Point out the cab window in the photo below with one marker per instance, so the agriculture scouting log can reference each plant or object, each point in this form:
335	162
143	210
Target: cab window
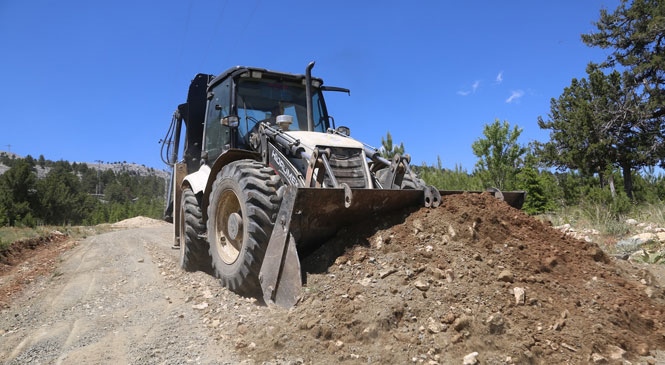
217	136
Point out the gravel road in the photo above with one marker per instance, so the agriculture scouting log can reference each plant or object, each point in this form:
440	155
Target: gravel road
115	298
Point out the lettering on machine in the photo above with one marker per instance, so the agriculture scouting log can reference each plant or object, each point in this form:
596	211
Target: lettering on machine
283	170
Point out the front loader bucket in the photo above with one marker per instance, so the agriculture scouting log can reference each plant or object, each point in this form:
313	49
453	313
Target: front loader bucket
319	213
309	216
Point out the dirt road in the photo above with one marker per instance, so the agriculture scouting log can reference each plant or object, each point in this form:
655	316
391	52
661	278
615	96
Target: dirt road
474	281
112	300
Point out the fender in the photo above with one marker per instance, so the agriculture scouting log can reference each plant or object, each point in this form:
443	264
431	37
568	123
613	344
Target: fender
197	181
224	159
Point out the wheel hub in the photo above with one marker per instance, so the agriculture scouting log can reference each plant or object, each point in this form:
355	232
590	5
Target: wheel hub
234	226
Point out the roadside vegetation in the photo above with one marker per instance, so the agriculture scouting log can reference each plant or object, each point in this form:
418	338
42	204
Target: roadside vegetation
35	193
604	160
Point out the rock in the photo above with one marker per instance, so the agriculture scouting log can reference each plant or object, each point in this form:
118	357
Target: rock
505	276
461	323
645	237
365	281
615	352
418	226
451	232
642	349
568	347
449	275
434	326
598	359
563	228
448	318
385	273
436	273
631	221
240	344
421	285
558	325
141	260
496	324
598	255
628	244
203	305
471	359
378	242
660	236
520	295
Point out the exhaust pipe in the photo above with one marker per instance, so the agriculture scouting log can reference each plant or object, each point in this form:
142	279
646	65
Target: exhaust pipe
308	93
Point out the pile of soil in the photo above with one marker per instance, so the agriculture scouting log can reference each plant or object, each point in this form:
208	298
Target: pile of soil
473	280
137	222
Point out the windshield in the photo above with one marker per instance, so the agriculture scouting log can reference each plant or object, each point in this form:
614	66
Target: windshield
263	100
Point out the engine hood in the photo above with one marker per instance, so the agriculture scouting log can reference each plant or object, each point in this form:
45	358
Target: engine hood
309	140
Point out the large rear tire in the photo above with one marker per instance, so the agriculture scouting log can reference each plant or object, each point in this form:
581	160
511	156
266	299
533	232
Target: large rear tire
193	248
244	201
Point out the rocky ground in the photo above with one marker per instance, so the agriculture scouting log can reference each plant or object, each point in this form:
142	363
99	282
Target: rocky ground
472	282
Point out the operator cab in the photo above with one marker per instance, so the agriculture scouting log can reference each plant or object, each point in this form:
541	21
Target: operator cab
263	100
241	98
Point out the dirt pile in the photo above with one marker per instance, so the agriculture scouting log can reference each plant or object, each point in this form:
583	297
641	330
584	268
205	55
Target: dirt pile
137	222
473	280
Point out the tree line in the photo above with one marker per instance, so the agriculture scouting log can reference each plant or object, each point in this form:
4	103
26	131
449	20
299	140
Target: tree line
74	193
607	130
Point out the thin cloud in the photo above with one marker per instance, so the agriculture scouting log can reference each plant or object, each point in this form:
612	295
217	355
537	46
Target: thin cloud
515	96
474	87
499	78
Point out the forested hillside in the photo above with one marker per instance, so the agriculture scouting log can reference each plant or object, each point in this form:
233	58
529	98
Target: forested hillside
40	191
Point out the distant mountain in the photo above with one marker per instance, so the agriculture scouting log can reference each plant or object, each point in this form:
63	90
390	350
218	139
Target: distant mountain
116	167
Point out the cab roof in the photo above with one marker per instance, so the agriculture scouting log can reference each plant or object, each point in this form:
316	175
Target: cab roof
238	70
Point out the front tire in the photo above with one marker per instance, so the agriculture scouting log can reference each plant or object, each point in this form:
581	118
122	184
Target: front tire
244	201
193	249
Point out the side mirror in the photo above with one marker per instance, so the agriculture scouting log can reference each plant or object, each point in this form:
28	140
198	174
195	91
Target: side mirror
344	130
230	121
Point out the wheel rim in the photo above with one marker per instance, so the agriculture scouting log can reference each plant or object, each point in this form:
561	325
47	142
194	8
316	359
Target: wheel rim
228	226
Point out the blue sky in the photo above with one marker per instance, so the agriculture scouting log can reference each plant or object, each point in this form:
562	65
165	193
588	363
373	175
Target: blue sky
99	80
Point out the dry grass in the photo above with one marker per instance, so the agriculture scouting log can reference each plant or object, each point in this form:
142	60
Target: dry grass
607	223
8	235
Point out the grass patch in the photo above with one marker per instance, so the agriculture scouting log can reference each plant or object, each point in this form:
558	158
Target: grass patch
608	223
9	235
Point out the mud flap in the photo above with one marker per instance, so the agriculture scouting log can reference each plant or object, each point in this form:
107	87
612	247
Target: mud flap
280	275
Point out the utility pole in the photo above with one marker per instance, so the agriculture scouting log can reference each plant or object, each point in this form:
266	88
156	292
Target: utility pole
9	148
